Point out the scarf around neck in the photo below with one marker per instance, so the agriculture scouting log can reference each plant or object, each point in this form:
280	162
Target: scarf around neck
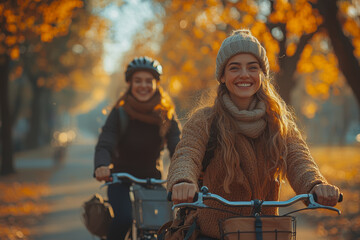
150	112
250	122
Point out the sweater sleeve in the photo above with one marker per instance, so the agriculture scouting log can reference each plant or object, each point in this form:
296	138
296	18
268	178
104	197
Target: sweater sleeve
107	140
173	136
302	171
186	162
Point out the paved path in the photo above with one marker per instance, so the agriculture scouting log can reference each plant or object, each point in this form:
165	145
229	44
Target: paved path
70	185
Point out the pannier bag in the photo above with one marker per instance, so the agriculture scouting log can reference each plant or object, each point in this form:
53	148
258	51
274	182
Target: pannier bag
150	207
258	228
183	227
97	215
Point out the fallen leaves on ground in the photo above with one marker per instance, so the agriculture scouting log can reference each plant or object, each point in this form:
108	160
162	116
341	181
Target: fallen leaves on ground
21	207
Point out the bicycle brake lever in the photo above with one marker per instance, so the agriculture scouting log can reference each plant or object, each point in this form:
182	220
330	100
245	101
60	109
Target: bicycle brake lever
114	180
314	205
198	203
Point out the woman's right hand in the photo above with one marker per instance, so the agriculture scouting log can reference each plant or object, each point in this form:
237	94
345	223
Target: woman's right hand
183	192
103	173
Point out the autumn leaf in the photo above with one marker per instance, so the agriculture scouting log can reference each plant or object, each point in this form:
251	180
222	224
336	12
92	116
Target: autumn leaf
15	53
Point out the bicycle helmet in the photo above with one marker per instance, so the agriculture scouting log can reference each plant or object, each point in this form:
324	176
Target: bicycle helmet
143	63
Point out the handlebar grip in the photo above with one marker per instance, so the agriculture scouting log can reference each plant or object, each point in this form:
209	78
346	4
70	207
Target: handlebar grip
341	197
169	196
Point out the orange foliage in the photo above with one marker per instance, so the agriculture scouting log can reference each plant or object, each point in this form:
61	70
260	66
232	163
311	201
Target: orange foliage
281	7
61	43
46	21
291	48
72	61
309	109
319	68
194	31
192	42
14	53
175	85
298	17
357	46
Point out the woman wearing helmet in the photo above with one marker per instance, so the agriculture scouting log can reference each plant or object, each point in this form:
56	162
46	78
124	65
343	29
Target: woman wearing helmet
151	124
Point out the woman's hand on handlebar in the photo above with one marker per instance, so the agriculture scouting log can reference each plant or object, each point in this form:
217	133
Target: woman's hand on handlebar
326	194
103	173
183	192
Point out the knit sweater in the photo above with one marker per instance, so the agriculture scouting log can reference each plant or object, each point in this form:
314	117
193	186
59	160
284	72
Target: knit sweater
186	164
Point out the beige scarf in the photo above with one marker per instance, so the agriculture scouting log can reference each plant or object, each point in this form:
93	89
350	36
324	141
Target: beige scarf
251	122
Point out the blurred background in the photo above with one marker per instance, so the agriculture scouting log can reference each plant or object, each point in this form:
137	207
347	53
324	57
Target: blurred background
62	68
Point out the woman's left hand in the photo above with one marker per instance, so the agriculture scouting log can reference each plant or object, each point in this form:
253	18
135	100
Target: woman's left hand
326	194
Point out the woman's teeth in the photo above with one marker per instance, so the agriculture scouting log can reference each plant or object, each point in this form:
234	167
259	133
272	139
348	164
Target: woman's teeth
244	84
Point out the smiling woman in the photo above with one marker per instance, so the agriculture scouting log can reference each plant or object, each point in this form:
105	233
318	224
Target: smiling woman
243	145
148	115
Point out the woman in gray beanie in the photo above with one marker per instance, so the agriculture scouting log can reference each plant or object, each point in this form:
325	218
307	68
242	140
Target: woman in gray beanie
246	143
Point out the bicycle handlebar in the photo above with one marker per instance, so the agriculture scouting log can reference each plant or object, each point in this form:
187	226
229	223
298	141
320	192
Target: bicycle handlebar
205	194
116	178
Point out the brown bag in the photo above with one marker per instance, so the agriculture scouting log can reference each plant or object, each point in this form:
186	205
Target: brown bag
183	227
270	227
97	215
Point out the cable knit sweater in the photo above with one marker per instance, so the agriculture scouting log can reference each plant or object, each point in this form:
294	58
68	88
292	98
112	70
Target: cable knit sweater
186	164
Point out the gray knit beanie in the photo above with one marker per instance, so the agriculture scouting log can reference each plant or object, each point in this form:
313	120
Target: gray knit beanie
240	41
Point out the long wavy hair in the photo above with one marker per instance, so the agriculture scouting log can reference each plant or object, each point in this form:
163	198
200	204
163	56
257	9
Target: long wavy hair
280	125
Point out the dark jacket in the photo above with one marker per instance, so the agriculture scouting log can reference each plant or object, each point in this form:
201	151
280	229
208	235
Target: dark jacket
137	149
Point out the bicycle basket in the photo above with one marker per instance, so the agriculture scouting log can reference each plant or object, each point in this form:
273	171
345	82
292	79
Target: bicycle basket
150	207
271	227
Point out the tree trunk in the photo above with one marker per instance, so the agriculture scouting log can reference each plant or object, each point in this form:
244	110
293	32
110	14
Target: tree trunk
342	45
18	100
41	119
47	117
288	64
7	165
285	84
33	136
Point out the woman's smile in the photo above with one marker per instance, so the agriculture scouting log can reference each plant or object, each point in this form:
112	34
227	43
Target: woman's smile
243	84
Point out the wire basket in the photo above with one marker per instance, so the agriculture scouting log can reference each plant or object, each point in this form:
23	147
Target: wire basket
251	228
